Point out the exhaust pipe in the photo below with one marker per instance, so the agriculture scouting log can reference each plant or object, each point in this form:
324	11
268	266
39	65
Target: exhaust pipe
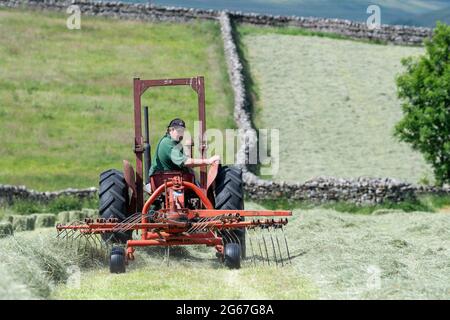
147	147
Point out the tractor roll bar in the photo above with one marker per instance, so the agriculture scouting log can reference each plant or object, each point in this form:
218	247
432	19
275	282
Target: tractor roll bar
140	86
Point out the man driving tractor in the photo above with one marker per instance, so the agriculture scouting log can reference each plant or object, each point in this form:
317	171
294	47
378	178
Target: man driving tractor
170	155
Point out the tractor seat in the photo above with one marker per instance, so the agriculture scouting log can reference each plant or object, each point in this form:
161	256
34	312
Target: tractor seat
158	178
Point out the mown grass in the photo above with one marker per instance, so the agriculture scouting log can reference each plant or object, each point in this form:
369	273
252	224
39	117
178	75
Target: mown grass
33	263
334	103
249	29
183	280
395	255
66	95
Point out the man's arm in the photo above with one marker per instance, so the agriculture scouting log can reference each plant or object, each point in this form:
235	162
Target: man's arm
190	162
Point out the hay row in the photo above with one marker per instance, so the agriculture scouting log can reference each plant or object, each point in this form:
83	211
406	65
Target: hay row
17	223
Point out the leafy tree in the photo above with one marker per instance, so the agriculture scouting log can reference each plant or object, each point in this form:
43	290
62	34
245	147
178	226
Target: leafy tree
424	88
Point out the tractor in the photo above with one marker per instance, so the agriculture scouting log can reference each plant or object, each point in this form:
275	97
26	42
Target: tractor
177	210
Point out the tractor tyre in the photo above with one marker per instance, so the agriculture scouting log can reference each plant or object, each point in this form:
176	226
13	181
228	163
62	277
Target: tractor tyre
229	194
113	201
117	262
232	255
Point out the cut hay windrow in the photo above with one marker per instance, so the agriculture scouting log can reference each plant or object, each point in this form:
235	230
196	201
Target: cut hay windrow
34	262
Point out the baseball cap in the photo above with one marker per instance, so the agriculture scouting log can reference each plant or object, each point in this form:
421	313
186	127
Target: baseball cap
177	123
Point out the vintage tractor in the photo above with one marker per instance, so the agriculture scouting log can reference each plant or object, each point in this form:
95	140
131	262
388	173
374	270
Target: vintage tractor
178	210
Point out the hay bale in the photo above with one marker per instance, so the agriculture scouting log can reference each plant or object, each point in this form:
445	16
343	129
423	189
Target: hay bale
6	229
90	213
63	217
76	215
45	220
23	223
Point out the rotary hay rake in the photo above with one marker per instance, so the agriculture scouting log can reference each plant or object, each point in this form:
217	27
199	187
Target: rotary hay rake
179	210
265	238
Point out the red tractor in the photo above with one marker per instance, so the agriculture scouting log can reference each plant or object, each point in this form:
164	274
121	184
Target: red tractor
178	210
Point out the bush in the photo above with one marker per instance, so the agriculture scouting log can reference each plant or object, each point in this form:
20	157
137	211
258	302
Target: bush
425	89
65	204
26	207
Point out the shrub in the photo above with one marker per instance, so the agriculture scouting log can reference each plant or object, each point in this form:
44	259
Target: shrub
425	89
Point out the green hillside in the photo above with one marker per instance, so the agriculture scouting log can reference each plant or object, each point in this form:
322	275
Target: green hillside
66	108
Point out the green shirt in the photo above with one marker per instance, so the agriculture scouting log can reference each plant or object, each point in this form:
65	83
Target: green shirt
169	155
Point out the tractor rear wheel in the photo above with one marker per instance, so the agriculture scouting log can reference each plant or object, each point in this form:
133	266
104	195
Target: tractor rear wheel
232	255
117	261
229	194
113	200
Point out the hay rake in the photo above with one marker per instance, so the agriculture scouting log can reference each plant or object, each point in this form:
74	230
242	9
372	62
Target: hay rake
179	209
265	238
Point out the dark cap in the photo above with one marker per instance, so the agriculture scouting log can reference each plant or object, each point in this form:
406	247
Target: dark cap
177	123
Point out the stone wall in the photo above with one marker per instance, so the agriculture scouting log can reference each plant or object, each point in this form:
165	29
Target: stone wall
319	190
403	35
10	193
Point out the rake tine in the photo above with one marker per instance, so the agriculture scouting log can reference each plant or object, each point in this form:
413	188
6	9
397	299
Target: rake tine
265	246
87	245
233	236
70	237
195	226
201	225
168	254
249	236
279	248
63	234
285	241
273	247
128	223
238	241
225	237
259	245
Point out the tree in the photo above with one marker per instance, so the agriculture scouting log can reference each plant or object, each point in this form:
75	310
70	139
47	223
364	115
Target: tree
424	88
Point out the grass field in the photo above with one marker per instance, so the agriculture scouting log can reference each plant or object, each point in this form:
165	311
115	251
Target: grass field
394	255
388	254
334	102
66	106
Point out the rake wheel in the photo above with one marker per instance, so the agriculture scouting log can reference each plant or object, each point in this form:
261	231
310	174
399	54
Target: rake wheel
117	261
232	255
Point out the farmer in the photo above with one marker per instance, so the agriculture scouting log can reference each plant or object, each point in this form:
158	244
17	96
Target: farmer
170	155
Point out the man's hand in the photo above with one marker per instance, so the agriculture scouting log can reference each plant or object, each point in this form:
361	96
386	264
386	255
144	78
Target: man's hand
214	159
